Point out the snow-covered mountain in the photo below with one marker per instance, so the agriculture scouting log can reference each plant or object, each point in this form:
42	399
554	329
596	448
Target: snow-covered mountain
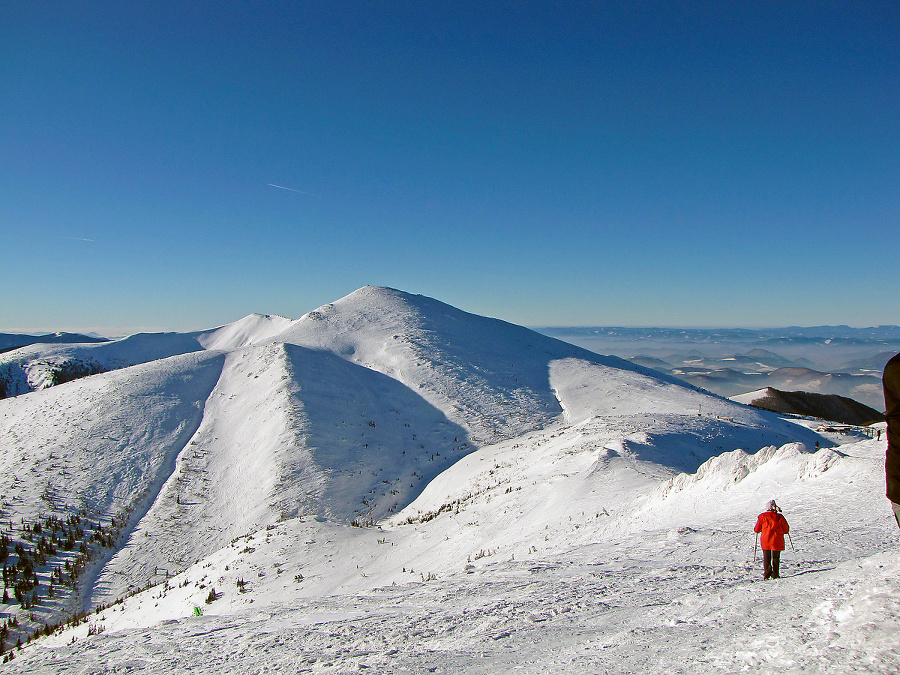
45	364
385	440
10	341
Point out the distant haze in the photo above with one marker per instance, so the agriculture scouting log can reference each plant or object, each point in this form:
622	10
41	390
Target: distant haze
730	361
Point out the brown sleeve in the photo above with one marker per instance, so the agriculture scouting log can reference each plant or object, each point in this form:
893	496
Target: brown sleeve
891	382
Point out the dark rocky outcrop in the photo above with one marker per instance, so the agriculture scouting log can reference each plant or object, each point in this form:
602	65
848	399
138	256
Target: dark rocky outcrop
825	406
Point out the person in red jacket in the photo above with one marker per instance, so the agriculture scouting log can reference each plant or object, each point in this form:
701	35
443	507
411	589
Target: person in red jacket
773	527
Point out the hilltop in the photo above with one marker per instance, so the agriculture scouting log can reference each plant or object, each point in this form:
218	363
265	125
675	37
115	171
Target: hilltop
824	406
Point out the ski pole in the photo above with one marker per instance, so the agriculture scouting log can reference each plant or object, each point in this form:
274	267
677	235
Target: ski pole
755	541
792	542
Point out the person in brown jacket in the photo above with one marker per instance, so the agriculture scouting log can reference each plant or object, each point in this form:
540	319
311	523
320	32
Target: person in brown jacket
891	383
773	526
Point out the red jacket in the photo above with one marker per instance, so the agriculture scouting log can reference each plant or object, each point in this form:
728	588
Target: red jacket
773	527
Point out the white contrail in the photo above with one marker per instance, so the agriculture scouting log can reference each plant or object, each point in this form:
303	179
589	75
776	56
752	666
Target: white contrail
80	239
282	187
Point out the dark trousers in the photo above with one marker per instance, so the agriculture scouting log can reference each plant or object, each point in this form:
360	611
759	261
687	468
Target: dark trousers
771	561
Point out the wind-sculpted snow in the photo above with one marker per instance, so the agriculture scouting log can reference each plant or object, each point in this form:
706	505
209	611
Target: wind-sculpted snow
723	471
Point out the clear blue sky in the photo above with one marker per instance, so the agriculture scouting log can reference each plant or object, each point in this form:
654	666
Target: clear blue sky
548	163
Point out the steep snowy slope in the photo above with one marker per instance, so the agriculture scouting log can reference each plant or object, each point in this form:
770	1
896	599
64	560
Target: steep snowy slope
286	432
485	374
350	414
100	442
97	449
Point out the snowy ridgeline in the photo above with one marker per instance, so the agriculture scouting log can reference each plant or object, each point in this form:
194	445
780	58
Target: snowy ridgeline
391	483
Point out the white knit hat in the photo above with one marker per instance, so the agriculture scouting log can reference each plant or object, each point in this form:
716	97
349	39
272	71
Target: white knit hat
771	506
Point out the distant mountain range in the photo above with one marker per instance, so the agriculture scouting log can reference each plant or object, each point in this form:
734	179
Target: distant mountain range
10	341
888	334
836	360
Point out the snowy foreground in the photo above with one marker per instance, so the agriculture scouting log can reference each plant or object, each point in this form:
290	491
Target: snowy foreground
391	485
682	596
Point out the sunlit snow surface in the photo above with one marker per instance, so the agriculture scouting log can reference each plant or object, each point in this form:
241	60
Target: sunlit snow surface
677	592
534	508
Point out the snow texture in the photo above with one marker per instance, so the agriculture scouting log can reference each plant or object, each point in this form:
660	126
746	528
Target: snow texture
389	484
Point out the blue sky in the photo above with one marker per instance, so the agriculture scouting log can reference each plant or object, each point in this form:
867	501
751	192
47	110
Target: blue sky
548	163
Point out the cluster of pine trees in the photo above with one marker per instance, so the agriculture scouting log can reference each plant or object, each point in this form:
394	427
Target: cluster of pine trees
69	371
65	545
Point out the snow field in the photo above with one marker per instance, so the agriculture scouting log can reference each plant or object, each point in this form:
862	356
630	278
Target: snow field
670	598
525	504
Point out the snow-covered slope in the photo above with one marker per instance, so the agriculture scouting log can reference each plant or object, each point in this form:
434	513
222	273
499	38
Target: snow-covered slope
98	443
485	374
496	379
250	330
460	444
286	432
38	366
100	448
664	582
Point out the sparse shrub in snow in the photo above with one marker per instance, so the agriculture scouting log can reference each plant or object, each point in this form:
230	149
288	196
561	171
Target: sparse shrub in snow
95	628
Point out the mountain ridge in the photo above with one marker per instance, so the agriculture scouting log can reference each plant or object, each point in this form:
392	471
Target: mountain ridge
349	415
